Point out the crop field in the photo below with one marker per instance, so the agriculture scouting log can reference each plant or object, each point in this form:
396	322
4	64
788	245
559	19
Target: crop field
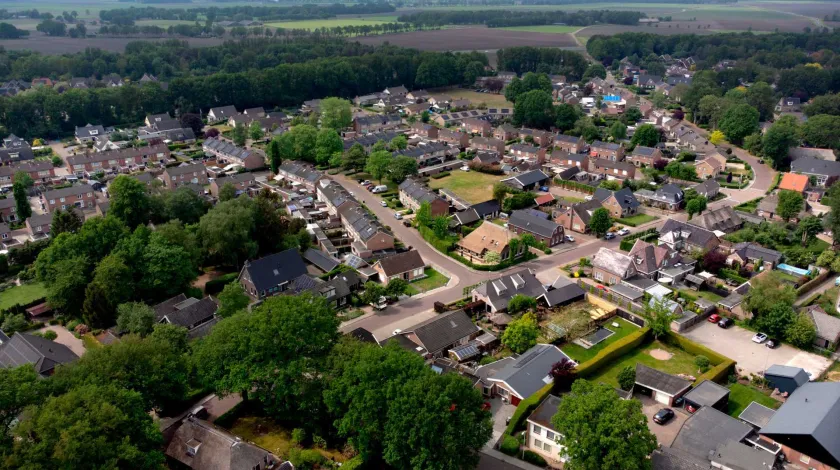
471	38
58	45
547	28
490	99
333	22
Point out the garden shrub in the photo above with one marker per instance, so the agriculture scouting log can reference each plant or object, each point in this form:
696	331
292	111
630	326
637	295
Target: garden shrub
50	335
702	362
534	458
510	445
440	175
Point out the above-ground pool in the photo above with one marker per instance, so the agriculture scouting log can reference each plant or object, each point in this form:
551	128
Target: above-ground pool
793	270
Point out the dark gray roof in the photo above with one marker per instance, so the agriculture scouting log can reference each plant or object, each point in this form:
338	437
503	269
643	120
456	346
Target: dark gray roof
466	217
43	354
224	112
444	330
531	223
486	208
3	337
809	422
216	448
275	269
69	191
740	456
526	179
189	312
320	259
185	168
90	131
563	290
500	290
228	149
756	414
530	371
815	166
670	192
605	145
788	371
17	154
660	381
707	429
754	250
668	458
545	411
363	335
707	186
566	138
707	393
732	300
417	192
624	196
642	150
724	218
401	263
696	235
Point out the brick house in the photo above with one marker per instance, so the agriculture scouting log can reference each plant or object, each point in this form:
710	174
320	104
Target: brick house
621	203
8	210
367	233
39	171
709	168
376	123
569	143
176	176
74	196
612	170
611	267
477	126
272	274
242	182
540	138
488	237
424	130
454	137
484	143
505	132
644	156
226	153
413	194
122	160
407	266
607	151
543	229
528	151
576	217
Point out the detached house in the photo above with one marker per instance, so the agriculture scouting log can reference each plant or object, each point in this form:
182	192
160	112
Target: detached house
413	194
644	156
523	376
621	203
724	219
197	316
222	113
607	151
12	155
825	171
176	176
648	259
42	354
753	254
488	237
408	266
442	332
576	217
544	230
569	143
682	236
611	267
74	196
505	132
669	197
89	133
454	137
789	104
272	274
708	189
710	167
543	438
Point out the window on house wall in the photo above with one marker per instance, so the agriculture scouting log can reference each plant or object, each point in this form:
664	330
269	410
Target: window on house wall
536	429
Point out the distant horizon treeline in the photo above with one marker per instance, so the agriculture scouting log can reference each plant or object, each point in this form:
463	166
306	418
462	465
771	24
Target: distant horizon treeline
506	18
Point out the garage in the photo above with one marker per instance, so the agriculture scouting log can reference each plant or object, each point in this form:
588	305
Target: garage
662	387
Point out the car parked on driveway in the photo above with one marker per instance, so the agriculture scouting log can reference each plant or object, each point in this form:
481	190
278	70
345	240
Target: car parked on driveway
624	231
759	338
663	416
570	238
725	322
609	236
714	318
772	343
383	203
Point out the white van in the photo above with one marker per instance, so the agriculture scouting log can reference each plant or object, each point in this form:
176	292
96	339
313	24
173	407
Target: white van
380	189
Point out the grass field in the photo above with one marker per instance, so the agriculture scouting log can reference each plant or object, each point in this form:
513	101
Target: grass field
703	294
162	23
580	354
474	187
433	280
740	397
680	363
333	22
548	28
22	294
636	220
490	99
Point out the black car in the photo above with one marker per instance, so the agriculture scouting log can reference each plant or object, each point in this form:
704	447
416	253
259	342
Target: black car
772	343
726	322
663	416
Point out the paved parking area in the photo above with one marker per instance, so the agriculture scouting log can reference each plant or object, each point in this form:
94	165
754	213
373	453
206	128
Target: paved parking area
665	433
752	358
501	412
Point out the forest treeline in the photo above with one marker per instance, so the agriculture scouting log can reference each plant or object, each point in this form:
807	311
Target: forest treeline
503	18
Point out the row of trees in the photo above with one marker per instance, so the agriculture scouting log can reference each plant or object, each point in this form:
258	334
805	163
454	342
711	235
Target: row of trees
525	59
45	112
771	301
503	18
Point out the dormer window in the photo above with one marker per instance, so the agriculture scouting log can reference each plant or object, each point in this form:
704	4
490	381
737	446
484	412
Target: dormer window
192	447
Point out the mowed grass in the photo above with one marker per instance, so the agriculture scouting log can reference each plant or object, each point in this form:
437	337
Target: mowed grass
490	99
636	220
164	23
472	186
433	280
580	354
680	362
331	23
740	397
22	294
546	28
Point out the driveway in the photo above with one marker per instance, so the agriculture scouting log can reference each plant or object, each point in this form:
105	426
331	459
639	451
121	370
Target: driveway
665	433
66	338
501	412
752	358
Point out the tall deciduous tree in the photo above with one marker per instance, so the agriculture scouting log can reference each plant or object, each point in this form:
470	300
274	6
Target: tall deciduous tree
768	291
129	200
19	387
240	134
273	354
336	113
646	135
600	430
329	143
112	285
378	163
91	426
401	167
534	108
521	334
227	192
274	158
232	300
790	204
135	317
22	208
355	158
65	221
738	122
600	221
659	316
225	232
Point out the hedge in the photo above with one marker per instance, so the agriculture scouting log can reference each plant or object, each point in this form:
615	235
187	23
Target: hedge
524	409
575	186
810	285
510	445
723	365
442	174
612	352
534	458
429	235
216	285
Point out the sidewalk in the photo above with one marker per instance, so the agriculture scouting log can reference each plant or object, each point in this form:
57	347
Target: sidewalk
508	459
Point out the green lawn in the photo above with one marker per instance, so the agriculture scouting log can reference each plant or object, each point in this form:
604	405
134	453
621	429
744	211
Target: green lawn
547	28
476	98
703	294
22	294
636	220
472	186
433	280
828	300
740	396
680	362
333	22
571	199
580	354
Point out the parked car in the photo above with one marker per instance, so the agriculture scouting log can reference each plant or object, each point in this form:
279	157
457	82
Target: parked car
759	338
587	198
772	343
663	416
397	216
609	236
624	231
544	189
570	238
407	223
714	318
726	322
380	189
383	203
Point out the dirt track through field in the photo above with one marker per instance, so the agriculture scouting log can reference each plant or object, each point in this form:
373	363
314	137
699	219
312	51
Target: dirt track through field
472	38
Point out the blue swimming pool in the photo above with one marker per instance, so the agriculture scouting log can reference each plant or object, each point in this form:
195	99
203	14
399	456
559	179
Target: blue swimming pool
793	270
